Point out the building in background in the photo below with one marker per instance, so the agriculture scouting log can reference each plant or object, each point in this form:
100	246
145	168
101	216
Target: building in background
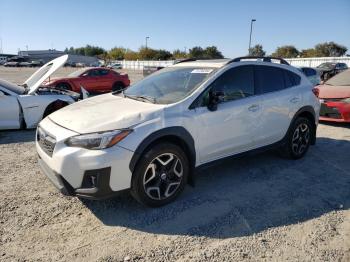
47	55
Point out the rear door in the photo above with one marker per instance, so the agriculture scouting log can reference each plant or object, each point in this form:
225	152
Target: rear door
9	111
281	99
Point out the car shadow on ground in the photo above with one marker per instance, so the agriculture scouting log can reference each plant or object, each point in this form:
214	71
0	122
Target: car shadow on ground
17	136
245	196
335	124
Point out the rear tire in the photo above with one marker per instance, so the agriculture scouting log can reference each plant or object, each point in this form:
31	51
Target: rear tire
298	139
160	175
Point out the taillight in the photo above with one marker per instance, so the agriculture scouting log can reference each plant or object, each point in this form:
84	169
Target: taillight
316	91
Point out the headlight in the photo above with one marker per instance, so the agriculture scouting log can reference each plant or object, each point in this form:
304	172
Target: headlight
98	140
346	100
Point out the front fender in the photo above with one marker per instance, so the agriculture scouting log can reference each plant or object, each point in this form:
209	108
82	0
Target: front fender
33	106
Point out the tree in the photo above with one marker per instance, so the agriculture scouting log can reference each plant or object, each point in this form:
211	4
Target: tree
196	52
287	51
330	49
326	49
162	54
257	50
131	55
117	53
310	52
178	54
212	52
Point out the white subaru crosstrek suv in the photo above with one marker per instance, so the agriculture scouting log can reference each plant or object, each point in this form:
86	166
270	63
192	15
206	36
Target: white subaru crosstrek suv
150	138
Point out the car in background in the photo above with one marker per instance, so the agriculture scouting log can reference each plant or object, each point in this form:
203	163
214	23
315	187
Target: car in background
24	64
36	63
334	95
115	66
11	64
312	74
94	80
329	69
148	70
23	106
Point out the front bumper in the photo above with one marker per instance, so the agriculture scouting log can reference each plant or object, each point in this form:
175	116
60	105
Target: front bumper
94	174
99	190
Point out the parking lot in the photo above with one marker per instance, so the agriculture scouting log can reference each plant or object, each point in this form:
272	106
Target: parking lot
257	208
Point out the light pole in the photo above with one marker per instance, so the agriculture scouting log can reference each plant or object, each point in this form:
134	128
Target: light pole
147	37
250	36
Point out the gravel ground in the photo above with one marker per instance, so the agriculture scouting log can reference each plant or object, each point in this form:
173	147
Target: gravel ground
260	208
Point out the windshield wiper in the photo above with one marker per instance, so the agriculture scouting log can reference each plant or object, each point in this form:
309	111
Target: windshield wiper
142	98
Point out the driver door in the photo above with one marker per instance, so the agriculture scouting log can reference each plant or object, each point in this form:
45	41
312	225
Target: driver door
9	111
233	126
89	80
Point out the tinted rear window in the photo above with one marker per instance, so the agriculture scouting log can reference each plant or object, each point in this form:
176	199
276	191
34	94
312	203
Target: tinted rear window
269	79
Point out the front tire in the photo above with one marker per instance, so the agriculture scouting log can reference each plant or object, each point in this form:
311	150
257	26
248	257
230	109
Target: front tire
160	175
118	86
298	139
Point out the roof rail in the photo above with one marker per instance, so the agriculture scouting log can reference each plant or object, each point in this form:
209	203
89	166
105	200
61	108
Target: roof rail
264	59
184	60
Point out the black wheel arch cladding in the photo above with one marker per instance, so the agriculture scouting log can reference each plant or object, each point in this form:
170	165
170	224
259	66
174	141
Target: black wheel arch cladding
309	113
168	134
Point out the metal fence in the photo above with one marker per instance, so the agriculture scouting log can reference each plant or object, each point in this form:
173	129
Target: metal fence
138	65
310	62
315	61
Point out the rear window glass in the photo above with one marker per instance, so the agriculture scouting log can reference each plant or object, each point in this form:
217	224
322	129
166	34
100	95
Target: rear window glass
269	79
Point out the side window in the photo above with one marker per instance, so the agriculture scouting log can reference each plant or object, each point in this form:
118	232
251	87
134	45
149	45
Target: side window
236	83
93	73
103	72
292	79
269	79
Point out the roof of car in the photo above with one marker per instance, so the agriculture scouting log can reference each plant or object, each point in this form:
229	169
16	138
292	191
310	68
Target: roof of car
217	63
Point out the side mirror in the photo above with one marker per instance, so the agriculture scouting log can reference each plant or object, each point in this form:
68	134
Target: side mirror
215	97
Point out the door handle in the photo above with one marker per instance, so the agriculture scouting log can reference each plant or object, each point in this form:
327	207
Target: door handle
294	100
253	108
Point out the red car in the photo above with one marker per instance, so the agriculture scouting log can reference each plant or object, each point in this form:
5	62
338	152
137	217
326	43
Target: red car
334	96
94	80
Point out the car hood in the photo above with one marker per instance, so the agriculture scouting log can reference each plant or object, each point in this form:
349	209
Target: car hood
36	79
105	112
328	91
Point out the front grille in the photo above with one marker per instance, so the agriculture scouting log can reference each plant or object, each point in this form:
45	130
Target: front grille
46	141
331	112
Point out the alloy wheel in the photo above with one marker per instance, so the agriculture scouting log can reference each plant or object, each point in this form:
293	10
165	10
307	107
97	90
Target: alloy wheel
163	176
300	140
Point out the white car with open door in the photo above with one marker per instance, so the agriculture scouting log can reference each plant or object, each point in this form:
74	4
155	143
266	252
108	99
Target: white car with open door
23	106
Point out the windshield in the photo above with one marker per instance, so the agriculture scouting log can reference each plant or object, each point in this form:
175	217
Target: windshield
169	85
77	73
326	66
341	79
